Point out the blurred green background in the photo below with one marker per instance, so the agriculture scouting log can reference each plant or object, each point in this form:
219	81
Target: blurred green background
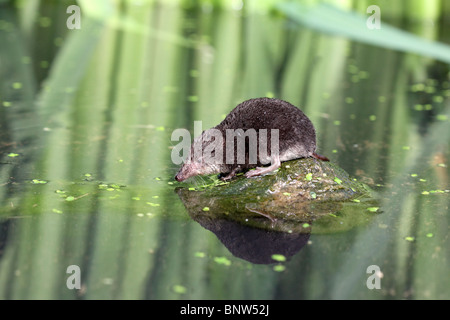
86	117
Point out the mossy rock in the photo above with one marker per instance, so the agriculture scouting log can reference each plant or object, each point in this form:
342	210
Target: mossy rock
302	193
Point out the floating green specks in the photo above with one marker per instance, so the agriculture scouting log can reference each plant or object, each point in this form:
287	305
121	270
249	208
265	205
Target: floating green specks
136	198
425	192
351	68
278	257
88	175
441	117
418	87
57	211
109	187
270	94
199	254
337	123
349	100
179	289
192	98
313	195
306	225
191	189
17	85
286	194
437	191
429	235
337	180
356	200
438	99
70	198
414	175
38	181
410	239
373	209
418	107
406	148
7	104
160	128
153	204
308	176
372	117
13	155
222	260
205	209
279	268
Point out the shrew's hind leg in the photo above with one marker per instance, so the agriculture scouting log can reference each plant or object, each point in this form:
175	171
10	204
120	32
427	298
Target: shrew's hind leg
231	174
320	157
276	163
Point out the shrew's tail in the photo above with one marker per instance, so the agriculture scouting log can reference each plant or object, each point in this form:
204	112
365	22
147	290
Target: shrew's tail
318	156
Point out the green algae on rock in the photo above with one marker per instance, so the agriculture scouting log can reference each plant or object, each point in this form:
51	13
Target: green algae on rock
301	193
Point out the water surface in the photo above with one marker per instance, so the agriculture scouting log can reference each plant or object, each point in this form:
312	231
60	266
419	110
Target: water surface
86	176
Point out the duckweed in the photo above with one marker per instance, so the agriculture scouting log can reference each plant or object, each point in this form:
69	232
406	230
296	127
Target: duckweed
279	268
222	260
38	181
278	257
179	289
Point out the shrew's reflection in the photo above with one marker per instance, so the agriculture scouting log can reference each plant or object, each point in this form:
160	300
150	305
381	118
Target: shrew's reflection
247	241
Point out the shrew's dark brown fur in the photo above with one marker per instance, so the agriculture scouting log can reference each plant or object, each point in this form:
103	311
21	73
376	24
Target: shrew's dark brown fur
296	138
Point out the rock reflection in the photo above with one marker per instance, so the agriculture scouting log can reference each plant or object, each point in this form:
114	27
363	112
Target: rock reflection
256	231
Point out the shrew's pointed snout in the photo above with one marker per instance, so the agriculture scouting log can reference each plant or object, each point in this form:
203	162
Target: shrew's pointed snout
179	178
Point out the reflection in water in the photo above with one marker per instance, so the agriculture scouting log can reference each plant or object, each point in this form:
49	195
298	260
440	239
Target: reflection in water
253	244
